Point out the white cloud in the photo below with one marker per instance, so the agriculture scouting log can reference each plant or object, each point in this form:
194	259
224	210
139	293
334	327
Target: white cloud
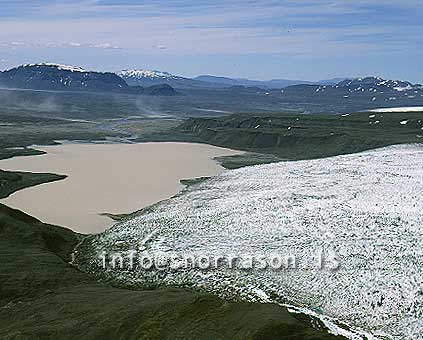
232	27
16	44
160	47
105	46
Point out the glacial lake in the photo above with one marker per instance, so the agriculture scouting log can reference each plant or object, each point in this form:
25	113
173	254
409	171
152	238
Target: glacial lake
108	178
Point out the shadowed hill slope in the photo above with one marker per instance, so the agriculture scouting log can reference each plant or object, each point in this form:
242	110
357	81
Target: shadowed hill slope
43	297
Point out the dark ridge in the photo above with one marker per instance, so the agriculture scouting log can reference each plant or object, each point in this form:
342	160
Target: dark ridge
52	77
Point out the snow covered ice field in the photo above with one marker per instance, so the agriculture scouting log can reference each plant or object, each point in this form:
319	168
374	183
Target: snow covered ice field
366	208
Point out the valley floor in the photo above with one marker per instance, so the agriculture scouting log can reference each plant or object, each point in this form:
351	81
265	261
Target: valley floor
43	297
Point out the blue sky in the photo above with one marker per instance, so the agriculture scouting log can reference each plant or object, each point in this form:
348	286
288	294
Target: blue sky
295	39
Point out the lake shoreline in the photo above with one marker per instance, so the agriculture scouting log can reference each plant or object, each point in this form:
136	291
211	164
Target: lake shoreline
132	176
300	325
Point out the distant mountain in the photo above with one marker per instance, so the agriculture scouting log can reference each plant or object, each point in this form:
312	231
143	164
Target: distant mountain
346	94
159	90
154	77
147	75
265	84
349	95
281	83
218	80
58	77
377	84
148	78
332	81
368	86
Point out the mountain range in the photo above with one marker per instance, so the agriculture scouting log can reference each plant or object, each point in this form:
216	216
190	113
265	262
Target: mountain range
154	77
369	86
365	84
56	77
274	83
339	92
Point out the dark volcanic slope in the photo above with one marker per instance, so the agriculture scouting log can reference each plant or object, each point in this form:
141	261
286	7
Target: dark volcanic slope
56	77
43	297
67	78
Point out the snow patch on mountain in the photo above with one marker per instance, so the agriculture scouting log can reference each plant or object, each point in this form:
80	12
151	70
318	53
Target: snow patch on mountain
149	74
375	84
403	88
58	66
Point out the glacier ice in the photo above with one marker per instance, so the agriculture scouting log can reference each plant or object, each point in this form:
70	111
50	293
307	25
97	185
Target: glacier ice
365	207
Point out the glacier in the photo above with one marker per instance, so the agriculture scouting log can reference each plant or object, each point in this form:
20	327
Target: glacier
367	208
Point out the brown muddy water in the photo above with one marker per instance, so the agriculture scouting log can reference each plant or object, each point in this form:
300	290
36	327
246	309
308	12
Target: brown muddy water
108	178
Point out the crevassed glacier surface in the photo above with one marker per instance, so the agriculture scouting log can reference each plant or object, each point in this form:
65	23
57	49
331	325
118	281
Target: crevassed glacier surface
366	208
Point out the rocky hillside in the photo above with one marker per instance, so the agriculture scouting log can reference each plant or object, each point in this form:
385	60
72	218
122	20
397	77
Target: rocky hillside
290	136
